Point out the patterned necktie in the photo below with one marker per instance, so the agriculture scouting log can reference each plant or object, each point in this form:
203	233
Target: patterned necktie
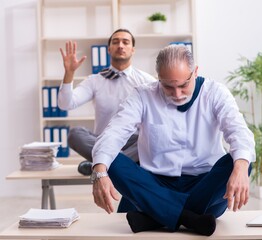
109	74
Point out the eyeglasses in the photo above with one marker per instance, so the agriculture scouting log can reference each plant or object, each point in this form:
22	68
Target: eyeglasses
184	85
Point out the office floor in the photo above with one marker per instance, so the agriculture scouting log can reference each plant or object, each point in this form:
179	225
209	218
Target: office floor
12	207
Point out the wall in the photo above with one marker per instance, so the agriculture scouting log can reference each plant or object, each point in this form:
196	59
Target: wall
19	122
226	29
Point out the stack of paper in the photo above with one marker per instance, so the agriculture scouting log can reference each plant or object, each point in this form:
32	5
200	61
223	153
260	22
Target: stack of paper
39	156
44	218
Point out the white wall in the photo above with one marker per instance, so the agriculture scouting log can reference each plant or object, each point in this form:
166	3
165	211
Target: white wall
19	121
225	30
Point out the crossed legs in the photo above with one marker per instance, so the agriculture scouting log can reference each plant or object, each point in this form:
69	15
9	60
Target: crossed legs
172	201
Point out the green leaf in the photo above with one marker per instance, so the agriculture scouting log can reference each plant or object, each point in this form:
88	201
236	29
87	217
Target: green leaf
242	79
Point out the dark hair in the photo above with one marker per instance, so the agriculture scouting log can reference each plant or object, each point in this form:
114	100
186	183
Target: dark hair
122	30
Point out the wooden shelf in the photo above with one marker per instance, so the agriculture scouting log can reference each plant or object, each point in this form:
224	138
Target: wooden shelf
91	22
90	118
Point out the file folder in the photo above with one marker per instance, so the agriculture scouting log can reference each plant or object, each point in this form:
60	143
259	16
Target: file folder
48	134
187	44
100	58
61	113
54	101
95	59
46	102
57	138
64	130
104	58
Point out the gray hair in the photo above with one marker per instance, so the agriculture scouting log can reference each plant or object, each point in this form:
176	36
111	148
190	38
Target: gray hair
171	55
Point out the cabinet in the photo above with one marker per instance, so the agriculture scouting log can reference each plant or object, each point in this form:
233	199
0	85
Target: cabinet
91	22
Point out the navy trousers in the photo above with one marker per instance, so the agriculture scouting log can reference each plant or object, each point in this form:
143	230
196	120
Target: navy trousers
163	198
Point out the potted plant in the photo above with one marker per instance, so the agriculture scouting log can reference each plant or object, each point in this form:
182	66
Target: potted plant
158	19
247	84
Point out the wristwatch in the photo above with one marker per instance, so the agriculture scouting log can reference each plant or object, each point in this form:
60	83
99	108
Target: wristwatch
96	175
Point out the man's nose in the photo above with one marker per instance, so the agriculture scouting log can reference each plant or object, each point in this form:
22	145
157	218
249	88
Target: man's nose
176	93
121	44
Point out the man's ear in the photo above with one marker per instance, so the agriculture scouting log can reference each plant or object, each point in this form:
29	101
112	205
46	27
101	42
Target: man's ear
133	50
196	70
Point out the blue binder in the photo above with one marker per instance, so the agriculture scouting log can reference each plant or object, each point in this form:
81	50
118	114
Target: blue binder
48	134
46	101
57	138
61	113
100	58
54	102
64	152
104	57
187	44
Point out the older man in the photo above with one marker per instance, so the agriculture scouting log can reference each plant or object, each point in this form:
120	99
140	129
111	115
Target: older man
185	175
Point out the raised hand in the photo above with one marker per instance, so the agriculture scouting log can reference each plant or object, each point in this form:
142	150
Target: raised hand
71	63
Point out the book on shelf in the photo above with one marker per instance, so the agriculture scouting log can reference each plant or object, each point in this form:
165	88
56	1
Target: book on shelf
45	218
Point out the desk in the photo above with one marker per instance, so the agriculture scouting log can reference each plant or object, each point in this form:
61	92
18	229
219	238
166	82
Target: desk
63	175
97	226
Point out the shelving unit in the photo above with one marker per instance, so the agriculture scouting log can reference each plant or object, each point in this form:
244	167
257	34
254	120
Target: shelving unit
91	22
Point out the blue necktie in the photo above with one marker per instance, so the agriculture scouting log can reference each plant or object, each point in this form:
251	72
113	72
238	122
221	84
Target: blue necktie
109	74
185	107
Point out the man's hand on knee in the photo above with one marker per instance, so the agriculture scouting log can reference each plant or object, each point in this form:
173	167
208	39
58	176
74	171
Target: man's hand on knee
237	192
103	192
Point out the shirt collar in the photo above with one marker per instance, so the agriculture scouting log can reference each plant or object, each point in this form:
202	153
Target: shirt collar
126	71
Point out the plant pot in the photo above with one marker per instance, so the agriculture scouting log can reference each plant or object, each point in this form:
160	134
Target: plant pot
158	26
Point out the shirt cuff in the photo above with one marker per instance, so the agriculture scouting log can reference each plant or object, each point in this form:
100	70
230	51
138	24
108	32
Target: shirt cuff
242	154
66	87
103	159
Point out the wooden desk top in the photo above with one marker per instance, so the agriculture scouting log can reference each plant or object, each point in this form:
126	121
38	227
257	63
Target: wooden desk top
62	172
97	226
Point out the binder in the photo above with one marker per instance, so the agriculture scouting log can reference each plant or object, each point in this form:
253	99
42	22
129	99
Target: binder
46	102
187	44
104	58
64	130
100	58
48	134
61	113
95	59
58	134
57	138
54	101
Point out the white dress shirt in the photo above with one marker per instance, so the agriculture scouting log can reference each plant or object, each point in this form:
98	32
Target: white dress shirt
172	143
107	94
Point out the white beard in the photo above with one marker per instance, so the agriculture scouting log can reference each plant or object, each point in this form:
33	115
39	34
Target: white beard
176	103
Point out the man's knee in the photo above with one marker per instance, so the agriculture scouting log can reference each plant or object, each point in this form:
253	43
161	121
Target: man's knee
224	165
121	167
76	135
73	136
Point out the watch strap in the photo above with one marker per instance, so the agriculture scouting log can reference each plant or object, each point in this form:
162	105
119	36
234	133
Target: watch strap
97	175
